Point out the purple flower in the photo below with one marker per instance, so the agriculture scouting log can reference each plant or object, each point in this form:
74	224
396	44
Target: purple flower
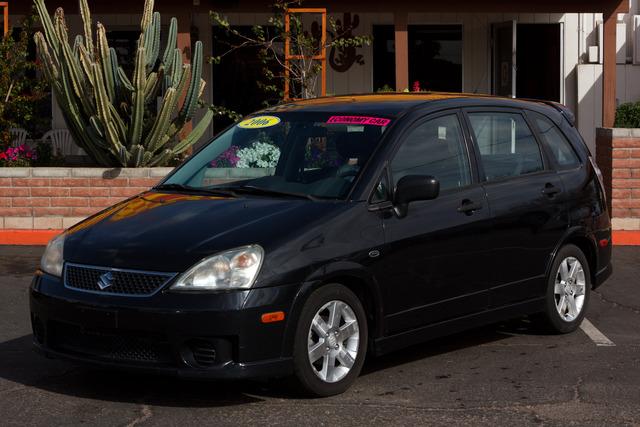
227	159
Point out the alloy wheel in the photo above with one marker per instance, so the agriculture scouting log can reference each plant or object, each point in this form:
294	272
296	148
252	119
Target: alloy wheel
333	341
569	290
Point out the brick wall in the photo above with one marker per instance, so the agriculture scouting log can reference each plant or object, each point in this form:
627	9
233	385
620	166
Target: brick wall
57	198
618	156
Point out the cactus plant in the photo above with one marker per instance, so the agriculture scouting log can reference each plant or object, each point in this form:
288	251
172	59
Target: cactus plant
116	119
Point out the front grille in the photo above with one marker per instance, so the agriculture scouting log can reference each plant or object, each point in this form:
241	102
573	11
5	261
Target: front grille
114	281
108	345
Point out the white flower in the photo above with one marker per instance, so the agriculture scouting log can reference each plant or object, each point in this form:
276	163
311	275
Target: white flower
259	155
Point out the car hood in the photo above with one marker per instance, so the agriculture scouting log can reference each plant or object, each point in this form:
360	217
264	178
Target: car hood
159	231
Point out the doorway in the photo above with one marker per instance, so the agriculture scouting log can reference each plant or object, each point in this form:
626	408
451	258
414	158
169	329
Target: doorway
539	61
527	60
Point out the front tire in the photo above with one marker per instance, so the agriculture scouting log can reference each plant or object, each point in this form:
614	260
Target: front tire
568	290
330	341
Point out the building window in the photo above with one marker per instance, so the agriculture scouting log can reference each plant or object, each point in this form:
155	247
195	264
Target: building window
435	57
239	78
384	58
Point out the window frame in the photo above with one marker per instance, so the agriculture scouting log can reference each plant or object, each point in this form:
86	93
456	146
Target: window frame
388	202
418	121
544	156
552	159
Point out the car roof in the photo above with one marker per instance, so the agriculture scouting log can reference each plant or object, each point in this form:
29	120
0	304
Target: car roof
395	103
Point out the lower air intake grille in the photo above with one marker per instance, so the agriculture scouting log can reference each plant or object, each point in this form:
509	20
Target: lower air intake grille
107	345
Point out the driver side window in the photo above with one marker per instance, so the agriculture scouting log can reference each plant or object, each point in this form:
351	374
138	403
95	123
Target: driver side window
436	148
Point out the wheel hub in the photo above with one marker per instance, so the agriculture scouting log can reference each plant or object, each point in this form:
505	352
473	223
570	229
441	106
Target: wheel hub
331	341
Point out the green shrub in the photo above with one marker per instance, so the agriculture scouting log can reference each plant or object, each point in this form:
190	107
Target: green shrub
23	96
628	115
45	155
385	88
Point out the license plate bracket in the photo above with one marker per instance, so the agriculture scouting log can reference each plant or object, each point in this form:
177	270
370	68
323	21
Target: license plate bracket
97	318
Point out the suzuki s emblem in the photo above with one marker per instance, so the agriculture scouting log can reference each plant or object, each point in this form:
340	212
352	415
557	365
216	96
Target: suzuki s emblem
105	280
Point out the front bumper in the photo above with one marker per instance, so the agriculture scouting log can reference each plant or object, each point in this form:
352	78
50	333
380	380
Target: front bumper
205	335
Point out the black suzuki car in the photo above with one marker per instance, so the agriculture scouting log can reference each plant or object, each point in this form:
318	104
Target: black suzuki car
316	232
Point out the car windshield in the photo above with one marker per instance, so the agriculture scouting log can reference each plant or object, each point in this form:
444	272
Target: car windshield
315	155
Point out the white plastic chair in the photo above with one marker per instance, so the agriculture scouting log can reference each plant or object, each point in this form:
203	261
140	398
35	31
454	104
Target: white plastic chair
62	143
18	136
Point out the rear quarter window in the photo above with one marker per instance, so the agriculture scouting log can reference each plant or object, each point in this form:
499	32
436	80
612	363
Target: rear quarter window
557	143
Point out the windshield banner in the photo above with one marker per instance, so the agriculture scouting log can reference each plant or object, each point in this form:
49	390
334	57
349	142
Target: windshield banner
358	120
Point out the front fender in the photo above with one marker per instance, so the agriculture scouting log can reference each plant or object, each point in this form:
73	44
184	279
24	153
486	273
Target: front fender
348	273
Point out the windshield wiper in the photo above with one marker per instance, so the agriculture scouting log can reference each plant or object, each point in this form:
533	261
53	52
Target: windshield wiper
250	189
190	189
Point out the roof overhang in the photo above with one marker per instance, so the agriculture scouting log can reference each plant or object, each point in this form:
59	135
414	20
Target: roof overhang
417	6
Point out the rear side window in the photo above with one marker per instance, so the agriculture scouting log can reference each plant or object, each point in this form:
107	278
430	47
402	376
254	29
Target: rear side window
436	148
557	143
506	144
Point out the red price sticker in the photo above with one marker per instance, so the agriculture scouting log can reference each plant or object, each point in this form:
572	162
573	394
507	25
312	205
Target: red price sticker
358	120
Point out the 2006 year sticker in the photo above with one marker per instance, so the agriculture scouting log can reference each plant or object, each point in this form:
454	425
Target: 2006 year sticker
259	122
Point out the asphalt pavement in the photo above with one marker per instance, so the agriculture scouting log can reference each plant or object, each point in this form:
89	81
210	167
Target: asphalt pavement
504	374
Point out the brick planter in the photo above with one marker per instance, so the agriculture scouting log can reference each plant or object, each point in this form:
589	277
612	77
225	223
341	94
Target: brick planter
57	198
618	156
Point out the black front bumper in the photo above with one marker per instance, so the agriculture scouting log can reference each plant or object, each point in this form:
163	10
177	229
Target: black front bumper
205	335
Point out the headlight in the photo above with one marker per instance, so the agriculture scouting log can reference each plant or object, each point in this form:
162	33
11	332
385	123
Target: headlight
233	269
52	261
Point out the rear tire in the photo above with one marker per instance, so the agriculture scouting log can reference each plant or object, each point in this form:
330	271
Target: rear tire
330	341
568	290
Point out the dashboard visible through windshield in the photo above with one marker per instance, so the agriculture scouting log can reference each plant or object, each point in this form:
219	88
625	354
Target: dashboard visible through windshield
296	153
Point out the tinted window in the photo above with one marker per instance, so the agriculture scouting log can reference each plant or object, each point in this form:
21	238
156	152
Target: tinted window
507	145
435	148
557	143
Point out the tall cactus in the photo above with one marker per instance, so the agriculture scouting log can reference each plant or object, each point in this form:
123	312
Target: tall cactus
107	112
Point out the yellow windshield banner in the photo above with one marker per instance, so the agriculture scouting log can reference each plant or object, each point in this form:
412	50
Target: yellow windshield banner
259	122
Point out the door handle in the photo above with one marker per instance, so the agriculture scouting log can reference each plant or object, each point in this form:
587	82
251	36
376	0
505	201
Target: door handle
468	207
550	189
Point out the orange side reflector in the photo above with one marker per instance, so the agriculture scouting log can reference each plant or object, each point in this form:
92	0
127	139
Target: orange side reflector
276	316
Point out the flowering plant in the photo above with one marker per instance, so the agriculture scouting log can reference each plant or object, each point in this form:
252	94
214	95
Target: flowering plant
21	155
258	155
228	159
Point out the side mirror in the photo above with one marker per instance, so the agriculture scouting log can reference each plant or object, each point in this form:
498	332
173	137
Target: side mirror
411	188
